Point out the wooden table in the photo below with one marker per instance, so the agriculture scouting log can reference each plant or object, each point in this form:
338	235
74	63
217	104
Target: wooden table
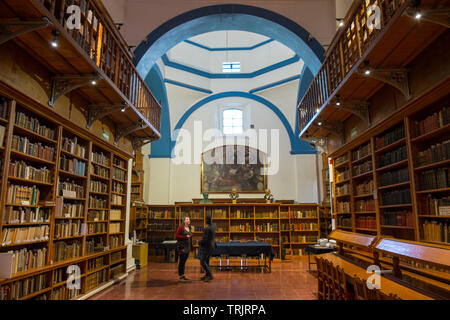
387	286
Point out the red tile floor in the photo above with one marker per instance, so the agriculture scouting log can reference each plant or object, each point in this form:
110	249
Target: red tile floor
289	280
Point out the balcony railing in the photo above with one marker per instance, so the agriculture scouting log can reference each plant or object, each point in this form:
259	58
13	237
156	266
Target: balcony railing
102	42
349	46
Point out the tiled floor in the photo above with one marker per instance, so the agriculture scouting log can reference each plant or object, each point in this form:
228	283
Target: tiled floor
159	281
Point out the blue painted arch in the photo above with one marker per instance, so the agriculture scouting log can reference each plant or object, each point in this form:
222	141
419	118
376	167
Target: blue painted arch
297	146
228	17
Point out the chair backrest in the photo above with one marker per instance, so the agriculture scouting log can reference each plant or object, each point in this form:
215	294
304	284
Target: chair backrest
319	262
341	277
360	287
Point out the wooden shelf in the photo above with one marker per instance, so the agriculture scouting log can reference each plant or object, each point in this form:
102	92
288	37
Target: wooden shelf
33	134
365	229
341	165
101	165
68	238
23	244
25	224
304	230
25	206
363	159
32	182
397	185
343	195
363	175
433	165
98	193
68	218
343	181
96	234
4	121
120	194
121	181
341	227
366	212
392	146
396	227
25	156
396	206
393	166
363	195
433	191
434	217
432	134
72	175
67	153
94	176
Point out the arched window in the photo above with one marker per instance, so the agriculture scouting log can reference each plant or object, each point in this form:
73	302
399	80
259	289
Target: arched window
232	121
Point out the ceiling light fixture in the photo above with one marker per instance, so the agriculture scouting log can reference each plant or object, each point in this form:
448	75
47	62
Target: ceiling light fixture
341	22
367	70
338	100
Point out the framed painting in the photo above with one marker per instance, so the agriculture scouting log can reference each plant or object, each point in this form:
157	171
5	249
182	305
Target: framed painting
227	167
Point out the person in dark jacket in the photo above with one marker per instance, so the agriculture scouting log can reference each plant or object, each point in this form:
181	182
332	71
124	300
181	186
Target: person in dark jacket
207	246
184	245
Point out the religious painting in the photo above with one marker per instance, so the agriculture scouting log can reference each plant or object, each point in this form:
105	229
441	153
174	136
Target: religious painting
228	167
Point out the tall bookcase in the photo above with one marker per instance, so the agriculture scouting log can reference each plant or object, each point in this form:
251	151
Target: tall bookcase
163	221
137	178
399	179
139	215
63	201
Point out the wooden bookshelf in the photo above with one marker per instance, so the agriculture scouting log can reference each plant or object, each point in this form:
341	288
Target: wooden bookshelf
137	178
68	158
404	161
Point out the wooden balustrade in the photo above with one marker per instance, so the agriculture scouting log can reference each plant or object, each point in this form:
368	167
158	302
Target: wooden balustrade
349	45
102	42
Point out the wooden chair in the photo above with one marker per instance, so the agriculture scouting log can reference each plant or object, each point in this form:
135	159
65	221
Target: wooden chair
361	290
381	296
321	292
334	282
329	281
342	284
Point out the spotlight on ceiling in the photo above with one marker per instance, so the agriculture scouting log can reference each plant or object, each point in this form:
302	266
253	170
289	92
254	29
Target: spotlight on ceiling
338	100
367	70
55	42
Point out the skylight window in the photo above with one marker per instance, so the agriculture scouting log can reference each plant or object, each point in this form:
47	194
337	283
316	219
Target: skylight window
231	67
232	121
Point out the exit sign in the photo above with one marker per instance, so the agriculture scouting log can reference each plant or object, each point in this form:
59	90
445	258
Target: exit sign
105	135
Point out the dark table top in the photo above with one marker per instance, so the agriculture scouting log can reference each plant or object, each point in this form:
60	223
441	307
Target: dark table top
315	249
241	248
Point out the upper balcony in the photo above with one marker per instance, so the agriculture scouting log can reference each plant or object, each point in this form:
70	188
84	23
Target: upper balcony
92	59
378	40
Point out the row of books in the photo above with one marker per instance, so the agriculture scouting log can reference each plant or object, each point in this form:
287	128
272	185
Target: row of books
392	157
161	214
2	135
365	187
247	227
390	137
3	108
267	227
33	124
97	215
97	228
436	231
114	227
436	153
396	197
362	168
361	152
95	279
118	162
20	169
60	275
69	229
394	177
217	213
64	293
342	176
116	271
398	218
117	200
343	190
135	189
95	263
72	146
16	215
119	174
268	215
12	236
434	179
116	214
116	256
100	158
74	166
97	203
25	287
241	214
435	206
344	221
366	222
75	190
71	210
303	238
116	241
99	171
341	159
23	195
64	250
28	259
193	214
304	214
432	122
38	150
343	207
95	244
271	241
118	187
364	205
98	186
304	226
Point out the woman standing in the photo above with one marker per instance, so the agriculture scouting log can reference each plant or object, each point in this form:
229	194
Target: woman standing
184	238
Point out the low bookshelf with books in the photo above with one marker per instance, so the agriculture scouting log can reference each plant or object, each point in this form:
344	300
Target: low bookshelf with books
56	199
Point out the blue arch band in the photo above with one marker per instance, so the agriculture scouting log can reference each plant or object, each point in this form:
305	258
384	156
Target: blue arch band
297	146
228	17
